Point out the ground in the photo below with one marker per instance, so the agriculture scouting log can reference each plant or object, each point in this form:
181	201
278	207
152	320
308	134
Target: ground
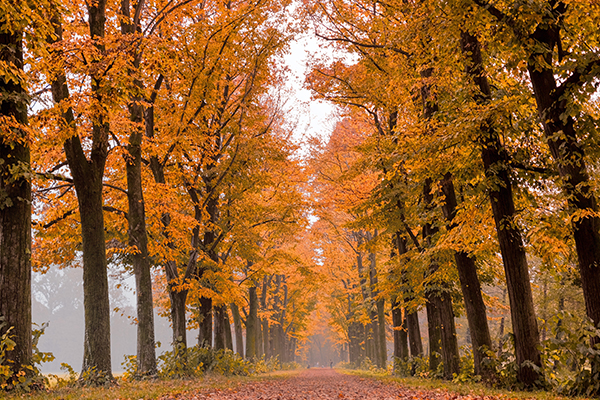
319	383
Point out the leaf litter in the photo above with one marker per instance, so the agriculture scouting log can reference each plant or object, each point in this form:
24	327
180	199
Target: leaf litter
322	383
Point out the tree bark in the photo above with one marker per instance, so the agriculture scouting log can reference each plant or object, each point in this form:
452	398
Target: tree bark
88	181
15	207
439	305
178	319
509	235
205	320
434	332
264	321
414	334
471	289
569	155
237	326
252	326
400	332
136	215
220	340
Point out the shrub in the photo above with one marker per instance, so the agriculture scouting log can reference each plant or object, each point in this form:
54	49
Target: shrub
412	366
571	360
262	365
194	361
24	377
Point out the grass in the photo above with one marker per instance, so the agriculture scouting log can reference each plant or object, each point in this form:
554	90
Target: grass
464	389
149	389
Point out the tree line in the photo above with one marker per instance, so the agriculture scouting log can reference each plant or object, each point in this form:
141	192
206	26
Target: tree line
468	144
151	134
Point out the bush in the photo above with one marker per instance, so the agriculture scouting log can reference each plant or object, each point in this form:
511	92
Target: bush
24	377
413	366
262	365
289	366
194	361
71	379
571	360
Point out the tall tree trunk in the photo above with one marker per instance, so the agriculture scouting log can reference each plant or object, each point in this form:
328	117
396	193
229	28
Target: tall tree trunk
15	205
205	320
87	178
400	333
381	339
450	354
509	235
377	314
178	319
136	215
440	306
412	318
252	326
219	328
471	289
205	310
559	129
228	334
398	320
414	334
264	321
434	332
237	326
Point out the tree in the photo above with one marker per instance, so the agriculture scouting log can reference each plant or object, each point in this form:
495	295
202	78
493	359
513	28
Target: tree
15	189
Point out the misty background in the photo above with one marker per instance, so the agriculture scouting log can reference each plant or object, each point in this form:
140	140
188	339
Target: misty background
57	299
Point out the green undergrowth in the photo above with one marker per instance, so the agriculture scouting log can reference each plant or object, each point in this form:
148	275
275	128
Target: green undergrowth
464	388
148	389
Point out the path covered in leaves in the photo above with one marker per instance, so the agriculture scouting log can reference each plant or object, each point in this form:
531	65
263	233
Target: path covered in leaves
322	383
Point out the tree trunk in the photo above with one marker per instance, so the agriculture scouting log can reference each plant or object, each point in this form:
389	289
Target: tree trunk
438	294
509	235
205	320
228	334
264	321
412	318
414	334
87	179
471	289
559	129
266	345
209	243
382	345
252	326
220	340
237	326
136	218
178	319
434	331
400	333
15	207
450	354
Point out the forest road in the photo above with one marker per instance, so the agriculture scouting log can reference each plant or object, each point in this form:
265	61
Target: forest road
320	383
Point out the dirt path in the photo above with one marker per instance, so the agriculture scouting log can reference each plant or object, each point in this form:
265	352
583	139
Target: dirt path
321	383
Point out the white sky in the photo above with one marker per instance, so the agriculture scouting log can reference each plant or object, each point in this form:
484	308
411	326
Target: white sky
312	117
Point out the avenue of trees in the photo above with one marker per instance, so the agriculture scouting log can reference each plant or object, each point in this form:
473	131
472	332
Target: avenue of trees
151	135
466	161
460	180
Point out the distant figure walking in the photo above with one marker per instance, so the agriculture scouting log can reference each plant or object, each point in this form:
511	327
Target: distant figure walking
330	364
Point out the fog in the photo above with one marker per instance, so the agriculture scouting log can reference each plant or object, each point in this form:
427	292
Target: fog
57	299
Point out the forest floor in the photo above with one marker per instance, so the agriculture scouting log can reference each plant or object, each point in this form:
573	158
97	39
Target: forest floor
323	383
314	383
